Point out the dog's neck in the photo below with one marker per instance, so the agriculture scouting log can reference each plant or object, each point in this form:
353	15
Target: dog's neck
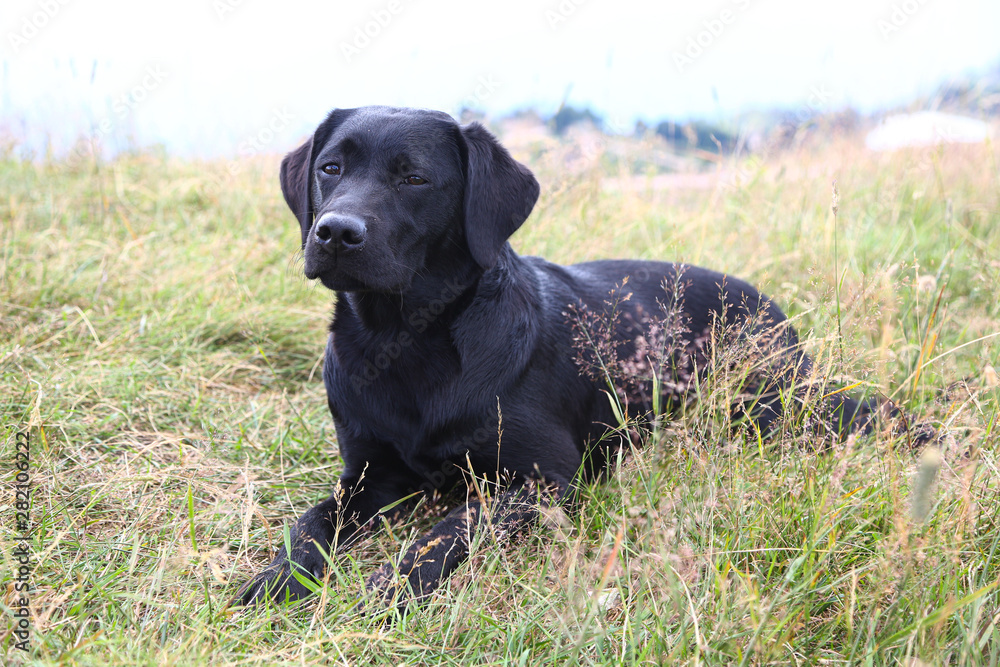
431	300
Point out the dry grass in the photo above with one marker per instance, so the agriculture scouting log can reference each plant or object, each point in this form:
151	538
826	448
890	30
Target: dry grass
162	349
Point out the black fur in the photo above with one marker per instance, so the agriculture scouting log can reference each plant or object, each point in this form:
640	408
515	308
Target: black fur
440	328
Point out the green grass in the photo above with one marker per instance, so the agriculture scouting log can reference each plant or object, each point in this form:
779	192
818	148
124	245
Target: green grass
159	343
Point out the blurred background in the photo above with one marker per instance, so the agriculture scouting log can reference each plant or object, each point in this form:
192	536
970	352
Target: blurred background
239	78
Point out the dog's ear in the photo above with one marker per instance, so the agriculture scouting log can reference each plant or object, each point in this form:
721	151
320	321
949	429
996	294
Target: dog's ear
296	180
499	194
297	167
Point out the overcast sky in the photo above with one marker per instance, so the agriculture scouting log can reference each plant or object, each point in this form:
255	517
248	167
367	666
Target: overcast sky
212	77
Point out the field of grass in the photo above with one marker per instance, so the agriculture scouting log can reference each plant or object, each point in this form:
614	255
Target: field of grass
161	347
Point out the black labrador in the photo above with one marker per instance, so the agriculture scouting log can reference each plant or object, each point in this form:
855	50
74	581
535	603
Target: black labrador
449	354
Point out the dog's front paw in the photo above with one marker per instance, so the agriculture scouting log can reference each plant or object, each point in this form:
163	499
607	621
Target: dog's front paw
386	586
281	582
421	570
290	578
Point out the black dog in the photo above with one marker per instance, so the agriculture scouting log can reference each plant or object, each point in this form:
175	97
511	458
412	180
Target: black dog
448	350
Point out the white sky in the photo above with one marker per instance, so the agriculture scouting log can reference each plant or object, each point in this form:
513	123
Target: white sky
203	76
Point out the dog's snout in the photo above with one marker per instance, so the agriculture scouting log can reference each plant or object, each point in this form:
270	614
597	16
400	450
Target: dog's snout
338	232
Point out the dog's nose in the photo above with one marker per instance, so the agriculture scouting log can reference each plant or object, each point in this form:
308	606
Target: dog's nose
340	232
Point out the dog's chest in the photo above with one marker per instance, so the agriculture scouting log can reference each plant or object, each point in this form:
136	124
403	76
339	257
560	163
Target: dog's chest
389	386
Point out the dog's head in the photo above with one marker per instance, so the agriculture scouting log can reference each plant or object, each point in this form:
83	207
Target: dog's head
379	192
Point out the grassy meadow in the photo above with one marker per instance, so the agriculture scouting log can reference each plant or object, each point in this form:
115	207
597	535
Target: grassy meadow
159	343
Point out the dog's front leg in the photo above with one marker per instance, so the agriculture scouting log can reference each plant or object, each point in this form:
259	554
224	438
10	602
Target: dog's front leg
301	561
433	557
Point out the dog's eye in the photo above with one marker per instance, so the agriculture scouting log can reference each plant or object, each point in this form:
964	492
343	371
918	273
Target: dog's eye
331	169
414	180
